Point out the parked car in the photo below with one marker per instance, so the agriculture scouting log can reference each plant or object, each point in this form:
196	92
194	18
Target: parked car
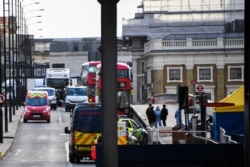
139	132
163	98
37	106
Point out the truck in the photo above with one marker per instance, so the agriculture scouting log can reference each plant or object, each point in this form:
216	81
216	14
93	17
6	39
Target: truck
58	78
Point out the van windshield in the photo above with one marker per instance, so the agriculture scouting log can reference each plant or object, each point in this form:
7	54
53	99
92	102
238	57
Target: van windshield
51	92
77	91
88	121
36	102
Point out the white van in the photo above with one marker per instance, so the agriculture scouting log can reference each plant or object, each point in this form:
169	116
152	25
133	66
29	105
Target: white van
75	95
51	94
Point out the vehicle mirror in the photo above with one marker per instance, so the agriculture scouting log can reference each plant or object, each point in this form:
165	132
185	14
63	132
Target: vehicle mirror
66	130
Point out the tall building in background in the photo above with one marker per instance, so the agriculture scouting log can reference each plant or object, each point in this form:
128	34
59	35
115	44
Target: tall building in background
185	42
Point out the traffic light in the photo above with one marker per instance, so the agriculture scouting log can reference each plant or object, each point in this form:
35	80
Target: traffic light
182	96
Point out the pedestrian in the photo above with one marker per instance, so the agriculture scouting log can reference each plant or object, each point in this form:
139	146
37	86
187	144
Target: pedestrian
153	100
177	116
58	97
150	115
164	114
157	113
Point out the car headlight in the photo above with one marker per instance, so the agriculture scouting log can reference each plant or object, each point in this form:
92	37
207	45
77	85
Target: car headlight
46	109
26	110
122	84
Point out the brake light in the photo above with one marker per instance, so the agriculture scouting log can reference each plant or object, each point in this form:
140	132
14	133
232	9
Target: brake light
73	138
91	99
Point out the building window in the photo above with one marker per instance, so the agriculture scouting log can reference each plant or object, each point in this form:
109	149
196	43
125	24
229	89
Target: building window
205	74
142	67
174	74
235	73
143	93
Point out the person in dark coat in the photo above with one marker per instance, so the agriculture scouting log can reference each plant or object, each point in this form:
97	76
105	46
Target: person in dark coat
164	114
150	115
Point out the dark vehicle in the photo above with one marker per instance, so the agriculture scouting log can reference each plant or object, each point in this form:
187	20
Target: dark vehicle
163	98
84	130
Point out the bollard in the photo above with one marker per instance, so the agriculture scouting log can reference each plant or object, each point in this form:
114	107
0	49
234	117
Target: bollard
150	135
155	135
194	124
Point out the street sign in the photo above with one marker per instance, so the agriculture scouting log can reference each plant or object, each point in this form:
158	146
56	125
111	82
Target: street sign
218	104
2	98
193	82
200	88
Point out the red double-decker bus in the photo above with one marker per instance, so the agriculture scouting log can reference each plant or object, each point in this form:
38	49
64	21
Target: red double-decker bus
124	88
88	75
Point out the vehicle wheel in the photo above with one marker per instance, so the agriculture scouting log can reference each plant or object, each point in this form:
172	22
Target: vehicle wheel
145	139
25	120
48	121
72	158
78	160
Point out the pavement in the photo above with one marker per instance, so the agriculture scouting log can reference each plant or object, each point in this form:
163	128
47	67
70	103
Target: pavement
162	135
9	135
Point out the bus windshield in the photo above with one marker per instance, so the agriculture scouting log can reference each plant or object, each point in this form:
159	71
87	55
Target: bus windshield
92	69
122	74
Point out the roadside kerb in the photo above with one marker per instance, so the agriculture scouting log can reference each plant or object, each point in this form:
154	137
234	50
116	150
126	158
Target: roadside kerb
8	137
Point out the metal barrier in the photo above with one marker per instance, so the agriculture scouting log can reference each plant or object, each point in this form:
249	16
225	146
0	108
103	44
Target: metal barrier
153	135
225	139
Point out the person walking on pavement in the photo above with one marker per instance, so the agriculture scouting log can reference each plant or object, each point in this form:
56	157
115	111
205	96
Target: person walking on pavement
150	115
157	113
177	116
164	114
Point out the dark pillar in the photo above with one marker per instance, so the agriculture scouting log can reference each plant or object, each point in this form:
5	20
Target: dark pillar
246	79
109	60
1	124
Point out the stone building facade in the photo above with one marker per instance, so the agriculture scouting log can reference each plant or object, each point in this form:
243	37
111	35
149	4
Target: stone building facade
184	44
